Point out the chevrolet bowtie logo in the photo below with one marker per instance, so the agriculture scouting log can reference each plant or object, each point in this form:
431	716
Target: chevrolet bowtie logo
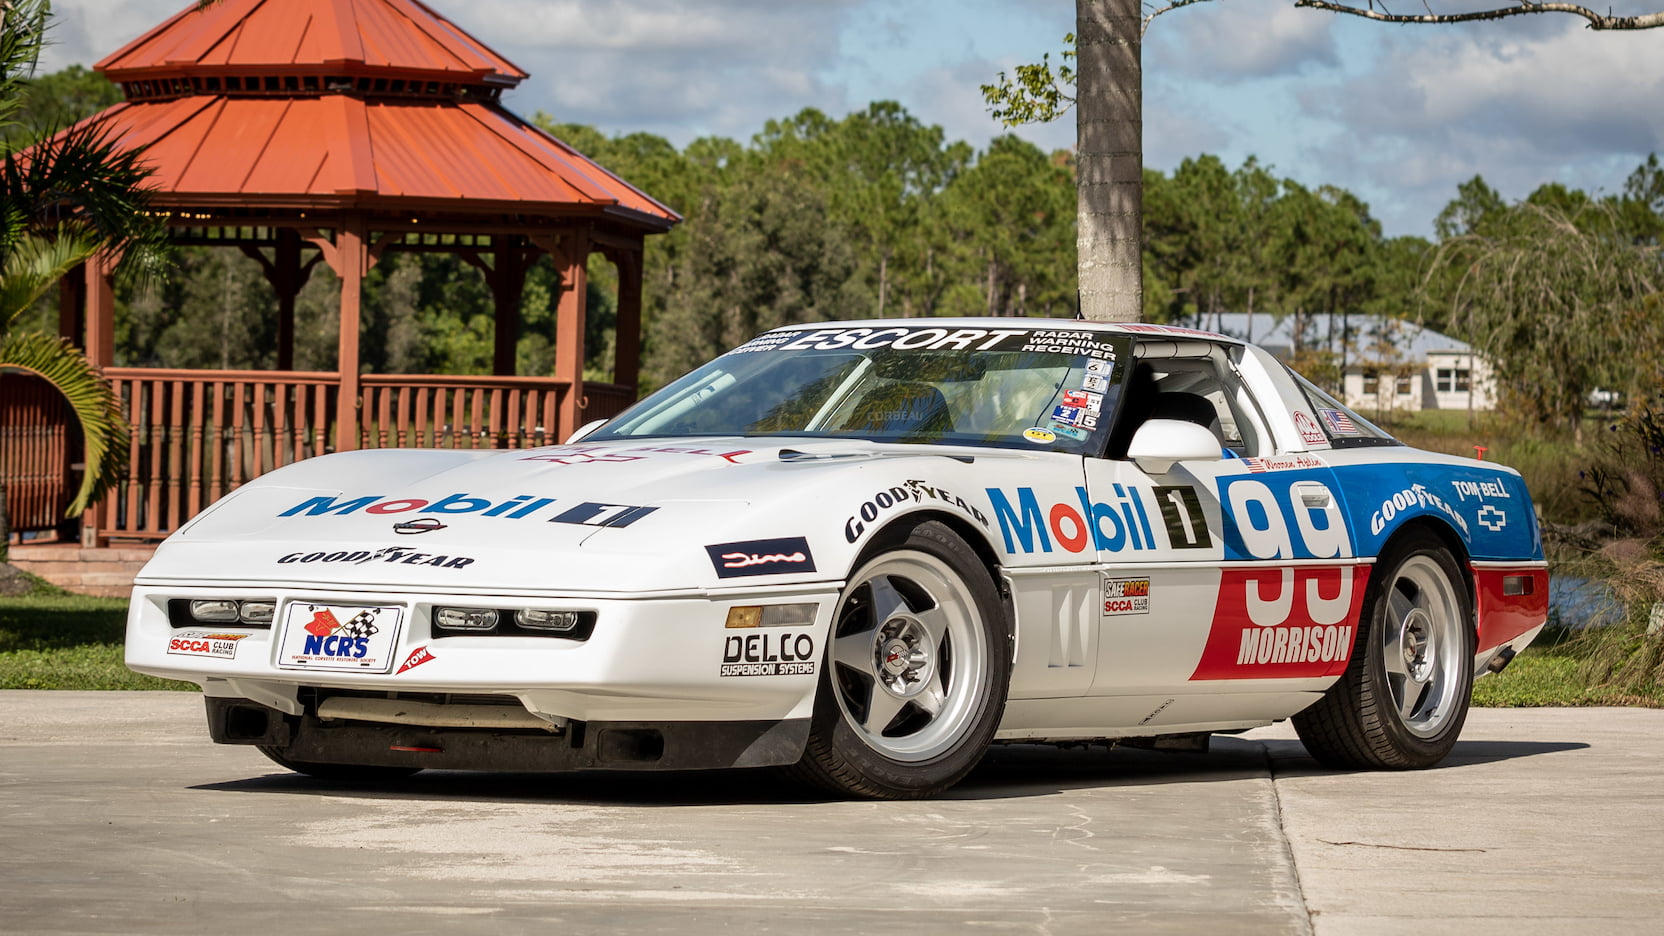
424	525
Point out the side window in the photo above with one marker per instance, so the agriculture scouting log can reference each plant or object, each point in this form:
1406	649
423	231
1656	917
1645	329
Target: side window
1192	382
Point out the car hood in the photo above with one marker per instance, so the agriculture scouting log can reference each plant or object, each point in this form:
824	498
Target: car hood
602	517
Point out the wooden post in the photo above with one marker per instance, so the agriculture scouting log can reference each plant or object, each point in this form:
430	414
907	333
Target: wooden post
626	365
72	304
101	309
508	283
350	261
287	280
571	258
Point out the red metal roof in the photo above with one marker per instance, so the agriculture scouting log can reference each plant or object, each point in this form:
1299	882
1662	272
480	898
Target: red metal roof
336	148
340	36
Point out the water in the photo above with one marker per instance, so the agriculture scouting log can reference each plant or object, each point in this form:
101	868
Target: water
1576	603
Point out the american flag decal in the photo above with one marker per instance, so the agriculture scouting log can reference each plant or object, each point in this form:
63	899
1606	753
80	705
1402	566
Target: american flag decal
1340	422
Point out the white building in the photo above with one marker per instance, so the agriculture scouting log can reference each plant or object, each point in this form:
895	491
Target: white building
1390	364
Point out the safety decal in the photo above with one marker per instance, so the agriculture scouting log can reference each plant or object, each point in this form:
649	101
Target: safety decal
417	657
1126	596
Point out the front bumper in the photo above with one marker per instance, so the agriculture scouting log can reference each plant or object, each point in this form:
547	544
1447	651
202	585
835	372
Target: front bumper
576	745
648	659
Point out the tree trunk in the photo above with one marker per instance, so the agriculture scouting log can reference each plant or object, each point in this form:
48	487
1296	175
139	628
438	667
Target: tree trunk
883	280
1250	329
1109	159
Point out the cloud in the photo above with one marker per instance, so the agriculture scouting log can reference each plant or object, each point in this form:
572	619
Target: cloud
1522	107
1223	42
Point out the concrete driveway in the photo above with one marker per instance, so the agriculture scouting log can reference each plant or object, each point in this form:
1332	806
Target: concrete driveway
117	815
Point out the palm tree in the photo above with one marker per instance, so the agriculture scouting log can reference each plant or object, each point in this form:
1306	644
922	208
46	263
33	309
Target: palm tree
64	199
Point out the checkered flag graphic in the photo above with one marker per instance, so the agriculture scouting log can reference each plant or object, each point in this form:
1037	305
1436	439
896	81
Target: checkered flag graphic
361	625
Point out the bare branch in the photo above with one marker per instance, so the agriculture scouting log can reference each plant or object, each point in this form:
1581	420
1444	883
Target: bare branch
1596	20
1155	11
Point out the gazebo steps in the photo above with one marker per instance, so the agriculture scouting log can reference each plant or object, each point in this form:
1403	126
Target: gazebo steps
105	572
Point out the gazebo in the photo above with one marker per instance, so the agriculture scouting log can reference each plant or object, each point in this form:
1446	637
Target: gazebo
336	131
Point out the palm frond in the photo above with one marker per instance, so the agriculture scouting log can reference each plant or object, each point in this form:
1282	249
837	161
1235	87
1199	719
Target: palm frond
22	34
97	408
33	264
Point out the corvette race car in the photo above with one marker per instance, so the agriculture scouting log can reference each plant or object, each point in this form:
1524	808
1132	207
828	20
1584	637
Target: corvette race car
867	550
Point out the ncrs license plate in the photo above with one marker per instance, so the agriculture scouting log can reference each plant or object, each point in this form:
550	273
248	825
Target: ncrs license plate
347	638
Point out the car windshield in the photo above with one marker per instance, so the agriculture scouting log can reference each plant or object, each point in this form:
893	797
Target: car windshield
1051	388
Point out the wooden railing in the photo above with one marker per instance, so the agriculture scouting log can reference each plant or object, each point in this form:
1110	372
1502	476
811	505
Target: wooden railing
35	452
197	435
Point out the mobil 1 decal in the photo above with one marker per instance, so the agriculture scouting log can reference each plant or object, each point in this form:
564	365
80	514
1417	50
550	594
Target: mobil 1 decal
1181	512
1283	616
1120	522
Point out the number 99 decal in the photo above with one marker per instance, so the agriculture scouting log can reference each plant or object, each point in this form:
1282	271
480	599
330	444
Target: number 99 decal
1257	521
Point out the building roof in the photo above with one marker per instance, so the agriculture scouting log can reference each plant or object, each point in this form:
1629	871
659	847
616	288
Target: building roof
368	104
1404	340
346	37
339	148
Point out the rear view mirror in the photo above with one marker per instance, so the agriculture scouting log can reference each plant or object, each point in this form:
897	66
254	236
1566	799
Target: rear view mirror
1161	442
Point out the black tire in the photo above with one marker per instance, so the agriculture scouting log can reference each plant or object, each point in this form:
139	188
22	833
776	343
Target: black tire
348	773
914	678
1404	697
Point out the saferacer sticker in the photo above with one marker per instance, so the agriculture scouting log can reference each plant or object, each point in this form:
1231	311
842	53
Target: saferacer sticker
1126	596
761	557
1283	622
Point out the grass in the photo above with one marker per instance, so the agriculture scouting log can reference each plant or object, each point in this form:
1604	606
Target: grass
1549	677
51	639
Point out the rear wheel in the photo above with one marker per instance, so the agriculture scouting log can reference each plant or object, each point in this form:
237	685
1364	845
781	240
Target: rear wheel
1404	697
355	773
915	675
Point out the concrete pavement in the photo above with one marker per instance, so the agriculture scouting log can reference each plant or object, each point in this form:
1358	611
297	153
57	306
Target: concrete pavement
117	815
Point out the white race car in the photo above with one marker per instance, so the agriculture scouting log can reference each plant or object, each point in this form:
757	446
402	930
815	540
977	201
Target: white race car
869	550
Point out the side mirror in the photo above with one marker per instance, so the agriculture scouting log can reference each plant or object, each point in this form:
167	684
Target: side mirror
584	430
1160	442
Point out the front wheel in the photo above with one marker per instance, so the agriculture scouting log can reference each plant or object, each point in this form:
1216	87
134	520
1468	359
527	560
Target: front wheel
916	672
1405	693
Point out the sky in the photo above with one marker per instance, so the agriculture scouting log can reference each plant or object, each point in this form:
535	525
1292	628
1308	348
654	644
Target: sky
1399	115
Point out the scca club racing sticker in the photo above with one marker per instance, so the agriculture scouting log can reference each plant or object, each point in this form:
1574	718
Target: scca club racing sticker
1126	596
762	557
768	654
204	644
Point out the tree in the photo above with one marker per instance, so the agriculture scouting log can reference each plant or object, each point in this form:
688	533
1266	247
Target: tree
1107	96
63	200
1560	296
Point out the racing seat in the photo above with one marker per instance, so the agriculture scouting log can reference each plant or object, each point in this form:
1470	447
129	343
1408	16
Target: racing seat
902	408
1188	407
